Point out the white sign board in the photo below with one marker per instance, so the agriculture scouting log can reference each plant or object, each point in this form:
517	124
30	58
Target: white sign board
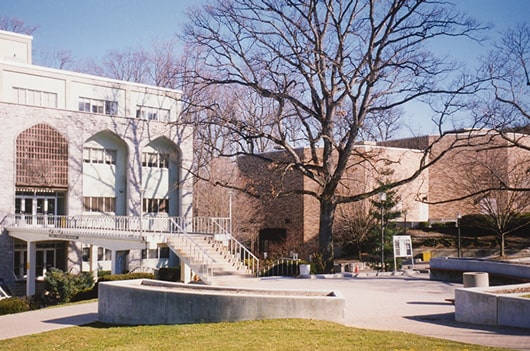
402	248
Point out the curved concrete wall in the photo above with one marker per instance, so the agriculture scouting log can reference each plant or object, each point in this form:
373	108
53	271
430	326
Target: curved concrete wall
136	302
494	305
447	268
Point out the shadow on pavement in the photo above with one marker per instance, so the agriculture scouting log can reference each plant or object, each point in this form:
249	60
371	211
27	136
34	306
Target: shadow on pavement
79	319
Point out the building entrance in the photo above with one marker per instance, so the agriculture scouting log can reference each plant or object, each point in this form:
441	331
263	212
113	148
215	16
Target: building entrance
38	207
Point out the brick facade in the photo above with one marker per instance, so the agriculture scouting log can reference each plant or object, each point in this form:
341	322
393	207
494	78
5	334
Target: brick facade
462	161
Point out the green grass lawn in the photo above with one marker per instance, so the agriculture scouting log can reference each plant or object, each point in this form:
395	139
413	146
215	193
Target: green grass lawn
270	335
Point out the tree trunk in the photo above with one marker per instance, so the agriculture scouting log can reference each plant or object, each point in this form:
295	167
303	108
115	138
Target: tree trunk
325	235
502	245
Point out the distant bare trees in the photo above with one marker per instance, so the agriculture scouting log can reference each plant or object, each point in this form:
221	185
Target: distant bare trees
13	24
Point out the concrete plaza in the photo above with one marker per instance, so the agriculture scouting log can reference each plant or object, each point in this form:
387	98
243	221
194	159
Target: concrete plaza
404	302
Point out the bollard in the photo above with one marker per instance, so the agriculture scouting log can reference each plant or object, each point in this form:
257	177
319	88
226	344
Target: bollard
476	279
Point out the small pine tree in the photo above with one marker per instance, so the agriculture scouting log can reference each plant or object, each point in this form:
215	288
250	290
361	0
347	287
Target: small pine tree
383	210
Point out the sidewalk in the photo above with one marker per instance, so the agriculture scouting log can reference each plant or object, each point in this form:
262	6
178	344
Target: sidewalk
38	321
411	304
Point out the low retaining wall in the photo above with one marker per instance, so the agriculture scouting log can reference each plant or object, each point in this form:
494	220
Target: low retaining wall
136	302
451	269
497	306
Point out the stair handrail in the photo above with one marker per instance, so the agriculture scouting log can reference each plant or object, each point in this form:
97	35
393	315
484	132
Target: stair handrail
239	251
205	261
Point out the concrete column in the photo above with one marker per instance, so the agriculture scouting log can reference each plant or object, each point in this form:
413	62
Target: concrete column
185	273
31	266
114	262
93	261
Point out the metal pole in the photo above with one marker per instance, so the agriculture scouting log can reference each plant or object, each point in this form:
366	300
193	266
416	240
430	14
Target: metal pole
230	212
382	197
459	248
141	210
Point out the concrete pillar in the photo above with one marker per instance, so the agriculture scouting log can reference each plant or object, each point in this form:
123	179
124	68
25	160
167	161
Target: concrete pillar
475	279
185	273
114	262
31	266
94	261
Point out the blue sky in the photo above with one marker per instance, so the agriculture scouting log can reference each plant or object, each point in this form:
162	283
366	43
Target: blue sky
91	28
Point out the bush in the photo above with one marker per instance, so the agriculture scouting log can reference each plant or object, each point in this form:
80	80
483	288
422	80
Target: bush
126	276
170	274
13	305
60	286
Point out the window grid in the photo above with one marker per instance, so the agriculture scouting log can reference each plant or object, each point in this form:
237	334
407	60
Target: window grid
99	204
155	206
41	158
155	160
97	155
98	106
152	113
36	97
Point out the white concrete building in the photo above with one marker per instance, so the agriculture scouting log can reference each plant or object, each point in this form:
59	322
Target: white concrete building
73	146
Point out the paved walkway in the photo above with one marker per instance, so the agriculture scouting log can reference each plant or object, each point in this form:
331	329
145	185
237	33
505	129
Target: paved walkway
412	304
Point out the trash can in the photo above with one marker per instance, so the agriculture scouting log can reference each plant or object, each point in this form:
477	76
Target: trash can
426	256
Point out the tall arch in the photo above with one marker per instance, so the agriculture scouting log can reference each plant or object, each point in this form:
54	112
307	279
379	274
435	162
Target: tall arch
41	158
41	179
161	177
105	158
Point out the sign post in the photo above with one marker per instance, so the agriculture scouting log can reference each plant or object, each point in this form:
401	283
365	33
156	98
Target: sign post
402	248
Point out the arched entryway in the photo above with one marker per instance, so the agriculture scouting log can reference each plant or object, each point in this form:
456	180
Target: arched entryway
41	185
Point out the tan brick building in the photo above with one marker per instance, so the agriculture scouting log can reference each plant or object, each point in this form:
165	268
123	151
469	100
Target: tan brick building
464	162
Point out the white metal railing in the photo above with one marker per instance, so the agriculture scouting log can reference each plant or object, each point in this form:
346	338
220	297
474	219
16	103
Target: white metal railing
199	261
136	226
131	224
237	250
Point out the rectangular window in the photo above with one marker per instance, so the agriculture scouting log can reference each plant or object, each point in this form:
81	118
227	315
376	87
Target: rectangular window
104	254
111	108
86	254
99	204
155	160
98	106
96	155
35	97
155	206
152	113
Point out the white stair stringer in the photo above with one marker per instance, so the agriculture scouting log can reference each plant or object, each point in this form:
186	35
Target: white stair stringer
207	258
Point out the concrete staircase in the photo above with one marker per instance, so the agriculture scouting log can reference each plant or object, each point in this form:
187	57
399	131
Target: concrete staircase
209	259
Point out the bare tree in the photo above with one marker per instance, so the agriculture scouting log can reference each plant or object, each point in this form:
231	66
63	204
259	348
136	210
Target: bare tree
508	69
325	67
354	224
13	24
502	209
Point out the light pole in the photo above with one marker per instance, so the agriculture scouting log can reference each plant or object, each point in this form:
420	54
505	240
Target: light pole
382	198
459	248
142	190
230	193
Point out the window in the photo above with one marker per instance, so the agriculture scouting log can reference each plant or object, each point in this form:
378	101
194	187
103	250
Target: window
98	106
155	160
155	206
161	252
41	158
35	97
99	204
104	254
152	113
97	155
